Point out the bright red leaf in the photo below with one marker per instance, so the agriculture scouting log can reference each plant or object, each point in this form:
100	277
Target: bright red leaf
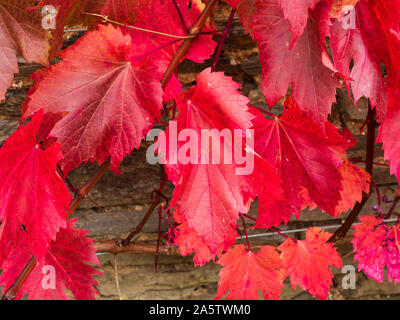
33	198
303	158
208	196
307	262
244	273
164	18
356	181
366	77
20	34
109	101
67	258
313	84
296	11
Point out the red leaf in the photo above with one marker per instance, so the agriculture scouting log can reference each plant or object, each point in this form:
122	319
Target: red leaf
31	193
355	182
302	158
349	45
245	272
20	33
388	13
377	245
208	196
296	11
313	84
111	101
188	241
164	18
307	262
67	257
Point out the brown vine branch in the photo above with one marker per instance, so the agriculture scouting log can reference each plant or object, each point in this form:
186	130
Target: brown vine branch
153	206
342	231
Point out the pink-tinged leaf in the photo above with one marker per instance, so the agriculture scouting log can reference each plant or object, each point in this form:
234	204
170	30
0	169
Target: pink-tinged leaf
313	84
244	273
110	102
307	262
302	157
21	33
33	198
389	129
373	35
366	77
296	11
377	245
63	267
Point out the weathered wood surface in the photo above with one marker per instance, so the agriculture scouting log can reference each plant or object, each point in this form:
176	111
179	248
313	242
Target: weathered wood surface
117	203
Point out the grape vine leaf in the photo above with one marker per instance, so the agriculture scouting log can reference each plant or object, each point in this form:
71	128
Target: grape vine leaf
209	194
68	257
348	45
33	198
313	84
109	101
245	272
389	129
296	11
355	182
302	157
376	245
165	18
20	34
307	262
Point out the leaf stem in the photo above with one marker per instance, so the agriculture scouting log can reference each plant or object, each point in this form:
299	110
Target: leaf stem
224	36
106	19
